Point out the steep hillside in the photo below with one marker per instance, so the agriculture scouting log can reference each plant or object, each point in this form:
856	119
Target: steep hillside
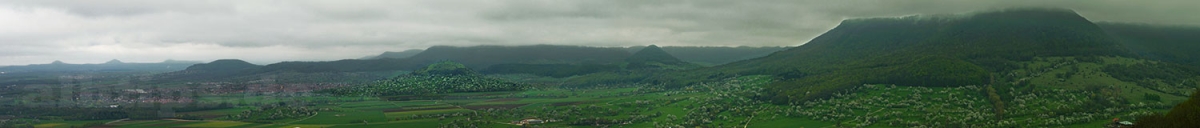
1177	44
1184	115
885	50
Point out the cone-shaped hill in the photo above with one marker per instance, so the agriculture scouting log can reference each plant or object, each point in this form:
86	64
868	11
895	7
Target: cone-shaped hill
397	55
438	78
222	65
937	50
653	57
218	69
114	61
652	53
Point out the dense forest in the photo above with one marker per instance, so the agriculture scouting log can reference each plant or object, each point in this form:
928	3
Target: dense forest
884	50
1159	42
439	78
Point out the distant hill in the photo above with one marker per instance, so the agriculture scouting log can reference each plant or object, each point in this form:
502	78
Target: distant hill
1177	44
479	57
652	54
114	61
937	50
396	55
215	70
349	65
707	55
653	57
223	65
110	66
35	74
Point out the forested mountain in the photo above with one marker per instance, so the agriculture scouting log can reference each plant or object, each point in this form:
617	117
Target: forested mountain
653	57
218	69
1177	44
223	65
652	54
959	49
714	55
708	55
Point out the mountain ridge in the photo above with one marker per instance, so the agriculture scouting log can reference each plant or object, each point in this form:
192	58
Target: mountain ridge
880	50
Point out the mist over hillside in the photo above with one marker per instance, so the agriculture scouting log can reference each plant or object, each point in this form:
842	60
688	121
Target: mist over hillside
1176	44
877	50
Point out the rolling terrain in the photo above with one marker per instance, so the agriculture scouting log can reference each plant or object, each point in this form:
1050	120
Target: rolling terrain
1024	67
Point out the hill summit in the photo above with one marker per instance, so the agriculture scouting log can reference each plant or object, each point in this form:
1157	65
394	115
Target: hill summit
960	49
222	65
652	53
397	55
114	61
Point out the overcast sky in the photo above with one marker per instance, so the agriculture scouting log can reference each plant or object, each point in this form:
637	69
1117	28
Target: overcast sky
268	31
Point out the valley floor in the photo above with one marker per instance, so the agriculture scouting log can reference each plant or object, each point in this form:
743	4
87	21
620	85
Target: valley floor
726	104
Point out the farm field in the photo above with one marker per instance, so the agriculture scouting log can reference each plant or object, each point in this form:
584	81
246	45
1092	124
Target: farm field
722	104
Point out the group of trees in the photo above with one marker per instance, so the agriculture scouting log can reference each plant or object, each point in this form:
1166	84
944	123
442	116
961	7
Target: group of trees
422	85
1148	74
439	78
1183	115
270	112
551	70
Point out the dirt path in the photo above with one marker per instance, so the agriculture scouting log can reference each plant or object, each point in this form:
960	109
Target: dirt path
749	119
305	118
115	121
